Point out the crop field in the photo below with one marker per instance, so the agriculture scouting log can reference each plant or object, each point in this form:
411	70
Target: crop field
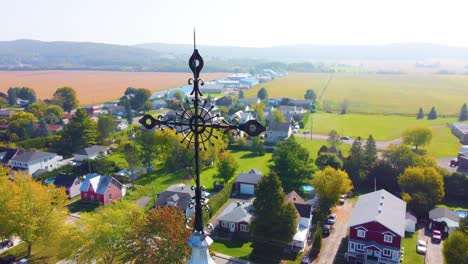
95	86
376	93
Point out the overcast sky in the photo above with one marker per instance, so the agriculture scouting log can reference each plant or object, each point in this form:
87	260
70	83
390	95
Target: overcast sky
237	22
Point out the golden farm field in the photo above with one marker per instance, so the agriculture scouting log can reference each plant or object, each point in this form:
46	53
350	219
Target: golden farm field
95	86
377	93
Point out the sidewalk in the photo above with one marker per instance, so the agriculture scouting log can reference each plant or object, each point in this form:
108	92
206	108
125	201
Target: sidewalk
225	259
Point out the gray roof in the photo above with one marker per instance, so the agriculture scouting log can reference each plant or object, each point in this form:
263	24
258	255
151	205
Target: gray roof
255	171
252	178
278	126
33	155
463	127
236	212
89	151
411	217
444	212
180	193
382	207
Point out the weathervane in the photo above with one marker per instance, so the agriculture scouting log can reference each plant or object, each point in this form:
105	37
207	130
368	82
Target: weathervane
197	124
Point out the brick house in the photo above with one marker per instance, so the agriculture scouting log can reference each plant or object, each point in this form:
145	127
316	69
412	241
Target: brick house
101	189
235	218
376	229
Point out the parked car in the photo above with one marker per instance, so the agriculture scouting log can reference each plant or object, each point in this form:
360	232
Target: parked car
436	236
331	219
344	138
23	261
342	198
421	247
326	230
6	243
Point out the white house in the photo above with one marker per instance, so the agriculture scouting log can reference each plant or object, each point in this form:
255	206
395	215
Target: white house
36	161
90	152
304	218
277	131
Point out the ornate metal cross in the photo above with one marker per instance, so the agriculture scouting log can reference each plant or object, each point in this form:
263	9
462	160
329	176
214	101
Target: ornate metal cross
197	123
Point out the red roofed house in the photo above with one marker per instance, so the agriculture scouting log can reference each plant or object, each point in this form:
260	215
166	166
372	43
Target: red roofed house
102	189
376	229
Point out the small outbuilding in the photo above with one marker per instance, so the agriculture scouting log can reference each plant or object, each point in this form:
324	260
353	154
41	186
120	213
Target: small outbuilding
444	219
246	182
410	223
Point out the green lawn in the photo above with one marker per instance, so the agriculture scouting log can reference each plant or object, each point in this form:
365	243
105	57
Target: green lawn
382	127
314	145
41	253
376	93
233	248
409	243
454	204
444	144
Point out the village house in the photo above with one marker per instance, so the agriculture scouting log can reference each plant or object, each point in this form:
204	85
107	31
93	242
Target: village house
304	220
235	218
158	104
71	184
248	101
444	220
90	153
179	195
212	88
246	183
291	110
6	154
277	131
35	162
249	82
460	130
376	229
101	189
94	110
242	116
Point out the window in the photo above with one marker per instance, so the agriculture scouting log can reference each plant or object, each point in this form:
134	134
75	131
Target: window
92	197
388	238
225	224
244	228
377	253
359	247
351	246
110	196
387	252
369	252
361	233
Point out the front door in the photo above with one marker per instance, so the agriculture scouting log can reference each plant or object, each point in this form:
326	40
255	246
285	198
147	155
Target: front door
232	228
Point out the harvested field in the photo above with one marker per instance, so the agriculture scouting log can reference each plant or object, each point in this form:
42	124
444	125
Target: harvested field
95	86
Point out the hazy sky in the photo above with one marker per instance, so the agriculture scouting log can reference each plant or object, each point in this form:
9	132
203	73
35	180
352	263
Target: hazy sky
237	22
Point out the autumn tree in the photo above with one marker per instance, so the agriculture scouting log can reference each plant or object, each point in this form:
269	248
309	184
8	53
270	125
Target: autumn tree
422	188
292	163
274	220
66	98
330	183
455	248
262	93
420	114
278	116
463	113
32	211
161	238
104	236
417	136
227	166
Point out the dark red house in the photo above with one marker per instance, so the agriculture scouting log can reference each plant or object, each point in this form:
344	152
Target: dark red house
376	229
101	189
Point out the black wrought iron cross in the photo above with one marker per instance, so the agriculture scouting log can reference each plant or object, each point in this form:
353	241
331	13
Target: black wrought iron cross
197	125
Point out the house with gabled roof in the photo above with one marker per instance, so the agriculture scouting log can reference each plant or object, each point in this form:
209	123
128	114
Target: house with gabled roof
91	152
236	217
304	220
101	189
246	183
179	195
444	220
377	229
6	154
71	184
35	162
277	131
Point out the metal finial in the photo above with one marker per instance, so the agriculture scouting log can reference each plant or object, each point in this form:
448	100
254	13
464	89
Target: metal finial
194	41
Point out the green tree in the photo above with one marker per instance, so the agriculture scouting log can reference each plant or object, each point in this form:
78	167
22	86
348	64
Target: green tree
37	109
383	175
66	98
131	153
310	95
148	144
241	94
104	236
355	164
223	111
278	116
162	238
274	220
42	130
333	137
227	166
422	188
420	114
455	248
28	94
344	107
328	159
139	97
3	102
292	163
105	126
417	136
13	95
128	112
262	94
259	112
256	146
463	113
456	185
432	114
53	114
330	184
32	211
179	95
80	132
21	124
370	152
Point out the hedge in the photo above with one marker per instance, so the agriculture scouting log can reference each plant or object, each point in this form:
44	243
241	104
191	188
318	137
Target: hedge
217	201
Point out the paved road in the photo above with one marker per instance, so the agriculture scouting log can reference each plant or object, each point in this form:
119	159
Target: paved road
225	259
434	251
381	145
331	243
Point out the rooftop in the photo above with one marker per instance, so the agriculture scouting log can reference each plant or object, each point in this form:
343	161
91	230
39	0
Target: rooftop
33	155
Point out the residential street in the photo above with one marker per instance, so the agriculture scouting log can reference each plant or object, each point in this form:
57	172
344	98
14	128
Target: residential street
434	251
331	243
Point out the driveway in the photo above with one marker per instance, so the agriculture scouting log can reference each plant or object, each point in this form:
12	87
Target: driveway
331	243
434	251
